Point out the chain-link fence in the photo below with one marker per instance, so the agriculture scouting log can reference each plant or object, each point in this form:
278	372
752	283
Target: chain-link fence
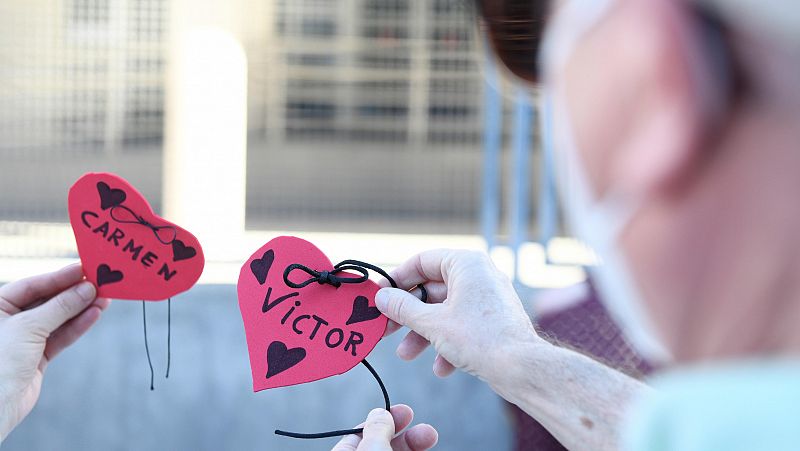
363	115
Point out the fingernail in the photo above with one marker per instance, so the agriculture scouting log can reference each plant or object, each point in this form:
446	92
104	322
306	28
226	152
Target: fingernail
376	412
85	290
382	300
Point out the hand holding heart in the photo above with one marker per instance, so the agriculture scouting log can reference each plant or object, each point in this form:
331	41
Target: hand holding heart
33	332
473	317
126	250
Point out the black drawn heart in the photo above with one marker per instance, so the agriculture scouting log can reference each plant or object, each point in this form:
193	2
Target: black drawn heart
362	311
110	197
181	251
261	266
105	275
280	359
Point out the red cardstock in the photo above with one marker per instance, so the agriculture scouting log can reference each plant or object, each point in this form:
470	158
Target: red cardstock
305	334
126	250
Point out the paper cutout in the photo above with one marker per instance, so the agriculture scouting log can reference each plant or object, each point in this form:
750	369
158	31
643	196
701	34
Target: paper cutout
126	250
362	311
302	335
280	358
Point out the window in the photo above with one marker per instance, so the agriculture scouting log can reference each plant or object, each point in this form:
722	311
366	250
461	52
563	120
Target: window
93	13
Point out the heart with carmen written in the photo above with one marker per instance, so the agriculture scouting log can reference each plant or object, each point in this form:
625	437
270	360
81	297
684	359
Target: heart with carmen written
299	335
126	250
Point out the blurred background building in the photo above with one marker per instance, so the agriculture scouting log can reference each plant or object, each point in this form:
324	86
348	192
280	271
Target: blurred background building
371	111
362	116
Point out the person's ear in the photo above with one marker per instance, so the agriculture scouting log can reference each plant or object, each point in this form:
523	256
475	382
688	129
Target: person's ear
678	99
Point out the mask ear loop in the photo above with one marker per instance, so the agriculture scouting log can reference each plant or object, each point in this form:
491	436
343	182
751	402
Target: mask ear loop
360	267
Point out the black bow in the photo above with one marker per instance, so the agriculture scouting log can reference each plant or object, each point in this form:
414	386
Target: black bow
325	277
331	278
136	219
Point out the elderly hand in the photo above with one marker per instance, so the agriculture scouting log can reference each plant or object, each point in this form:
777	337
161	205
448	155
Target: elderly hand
379	433
473	316
39	317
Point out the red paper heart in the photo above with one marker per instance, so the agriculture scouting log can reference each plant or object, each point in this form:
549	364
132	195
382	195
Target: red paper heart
126	250
305	334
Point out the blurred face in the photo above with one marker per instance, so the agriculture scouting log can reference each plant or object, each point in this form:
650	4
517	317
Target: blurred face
681	133
609	70
593	103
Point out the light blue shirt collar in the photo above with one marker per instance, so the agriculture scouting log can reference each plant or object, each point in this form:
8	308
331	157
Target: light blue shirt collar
753	405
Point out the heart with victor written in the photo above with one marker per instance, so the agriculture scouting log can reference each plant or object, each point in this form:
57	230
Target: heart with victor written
126	250
298	335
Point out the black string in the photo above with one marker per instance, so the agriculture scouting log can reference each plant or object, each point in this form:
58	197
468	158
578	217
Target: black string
323	277
341	432
330	277
140	220
146	347
352	264
169	333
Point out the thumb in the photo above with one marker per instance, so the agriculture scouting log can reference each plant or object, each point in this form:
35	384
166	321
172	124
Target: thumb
66	305
402	307
378	431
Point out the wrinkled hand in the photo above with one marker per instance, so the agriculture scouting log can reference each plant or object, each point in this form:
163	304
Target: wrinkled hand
39	317
379	433
473	316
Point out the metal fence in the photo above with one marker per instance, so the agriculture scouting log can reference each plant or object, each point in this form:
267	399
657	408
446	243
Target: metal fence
81	89
364	115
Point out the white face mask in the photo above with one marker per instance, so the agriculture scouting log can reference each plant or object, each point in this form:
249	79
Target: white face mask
597	222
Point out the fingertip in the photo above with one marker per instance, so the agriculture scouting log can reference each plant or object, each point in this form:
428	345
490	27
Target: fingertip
404	351
442	368
403	416
382	298
379	427
379	418
391	327
412	346
422	437
91	315
403	407
86	291
73	272
73	266
377	413
102	303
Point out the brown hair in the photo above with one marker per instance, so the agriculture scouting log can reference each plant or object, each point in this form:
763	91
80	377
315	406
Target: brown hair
514	29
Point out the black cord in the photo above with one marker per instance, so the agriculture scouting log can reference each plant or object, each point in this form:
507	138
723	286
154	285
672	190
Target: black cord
331	278
341	432
169	333
146	347
137	219
323	277
356	264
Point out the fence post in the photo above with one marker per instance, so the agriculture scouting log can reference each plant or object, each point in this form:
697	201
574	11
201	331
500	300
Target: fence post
519	199
492	140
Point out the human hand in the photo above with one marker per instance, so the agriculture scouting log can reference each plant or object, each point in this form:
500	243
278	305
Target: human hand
473	316
39	317
379	433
